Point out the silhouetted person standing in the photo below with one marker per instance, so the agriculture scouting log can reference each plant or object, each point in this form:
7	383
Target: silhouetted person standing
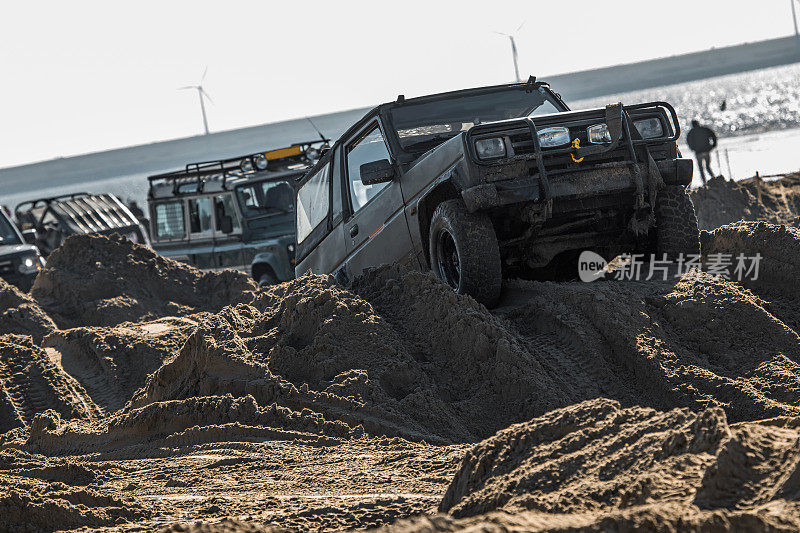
702	140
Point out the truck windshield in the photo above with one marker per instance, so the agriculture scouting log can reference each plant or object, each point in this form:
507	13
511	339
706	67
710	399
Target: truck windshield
266	197
8	234
422	126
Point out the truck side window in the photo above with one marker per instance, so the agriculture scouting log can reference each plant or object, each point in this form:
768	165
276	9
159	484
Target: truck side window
313	203
169	221
223	206
200	215
369	148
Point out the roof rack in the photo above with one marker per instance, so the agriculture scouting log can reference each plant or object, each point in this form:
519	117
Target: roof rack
40	202
241	166
86	212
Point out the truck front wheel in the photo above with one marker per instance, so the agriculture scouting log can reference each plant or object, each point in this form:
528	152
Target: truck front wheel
464	252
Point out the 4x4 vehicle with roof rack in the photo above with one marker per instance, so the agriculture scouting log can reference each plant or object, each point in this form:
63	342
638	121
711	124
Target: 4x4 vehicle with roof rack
496	181
19	262
55	219
234	213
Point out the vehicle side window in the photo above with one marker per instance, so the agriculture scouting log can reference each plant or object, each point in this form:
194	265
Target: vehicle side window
369	148
336	177
266	198
49	218
313	203
223	207
7	233
278	195
200	215
248	199
169	221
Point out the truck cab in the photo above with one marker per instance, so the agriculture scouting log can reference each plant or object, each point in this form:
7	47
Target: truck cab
235	213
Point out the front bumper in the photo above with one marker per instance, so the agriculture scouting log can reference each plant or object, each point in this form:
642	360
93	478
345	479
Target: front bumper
600	180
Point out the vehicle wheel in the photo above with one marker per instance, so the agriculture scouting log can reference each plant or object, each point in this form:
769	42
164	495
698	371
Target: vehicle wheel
267	278
464	252
676	223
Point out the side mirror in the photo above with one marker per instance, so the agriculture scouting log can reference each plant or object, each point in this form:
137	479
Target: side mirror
29	236
226	224
377	172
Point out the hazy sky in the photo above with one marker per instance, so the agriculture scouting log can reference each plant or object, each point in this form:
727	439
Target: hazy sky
82	76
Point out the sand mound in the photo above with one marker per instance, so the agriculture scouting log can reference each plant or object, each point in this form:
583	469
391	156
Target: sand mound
21	314
324	349
53	470
225	526
698	342
31	383
104	281
399	354
779	249
722	202
596	455
669	517
112	363
56	510
180	423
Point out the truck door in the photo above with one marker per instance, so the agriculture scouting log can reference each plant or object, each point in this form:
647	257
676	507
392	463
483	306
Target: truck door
201	232
376	231
228	249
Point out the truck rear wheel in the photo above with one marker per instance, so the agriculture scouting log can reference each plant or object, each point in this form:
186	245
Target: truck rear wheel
676	223
464	252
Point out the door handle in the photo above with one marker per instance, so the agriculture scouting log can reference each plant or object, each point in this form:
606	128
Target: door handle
354	230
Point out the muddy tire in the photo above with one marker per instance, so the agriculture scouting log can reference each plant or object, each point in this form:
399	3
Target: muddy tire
676	223
464	252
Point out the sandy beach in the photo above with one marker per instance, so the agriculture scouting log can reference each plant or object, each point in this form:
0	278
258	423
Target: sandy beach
139	394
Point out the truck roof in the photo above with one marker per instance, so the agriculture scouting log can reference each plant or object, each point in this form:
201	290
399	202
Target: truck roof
225	174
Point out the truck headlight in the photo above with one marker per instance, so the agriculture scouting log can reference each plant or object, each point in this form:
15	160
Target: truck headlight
556	136
246	166
490	148
599	134
29	264
649	128
290	248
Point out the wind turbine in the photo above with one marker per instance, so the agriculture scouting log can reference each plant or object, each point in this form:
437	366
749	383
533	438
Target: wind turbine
513	48
202	94
794	19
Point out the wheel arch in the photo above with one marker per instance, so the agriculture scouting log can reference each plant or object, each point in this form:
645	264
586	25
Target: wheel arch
261	267
441	192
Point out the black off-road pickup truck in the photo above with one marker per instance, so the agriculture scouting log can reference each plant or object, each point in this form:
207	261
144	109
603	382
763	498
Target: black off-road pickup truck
495	182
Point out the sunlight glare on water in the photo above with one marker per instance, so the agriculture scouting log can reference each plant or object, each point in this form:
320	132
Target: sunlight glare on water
761	100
